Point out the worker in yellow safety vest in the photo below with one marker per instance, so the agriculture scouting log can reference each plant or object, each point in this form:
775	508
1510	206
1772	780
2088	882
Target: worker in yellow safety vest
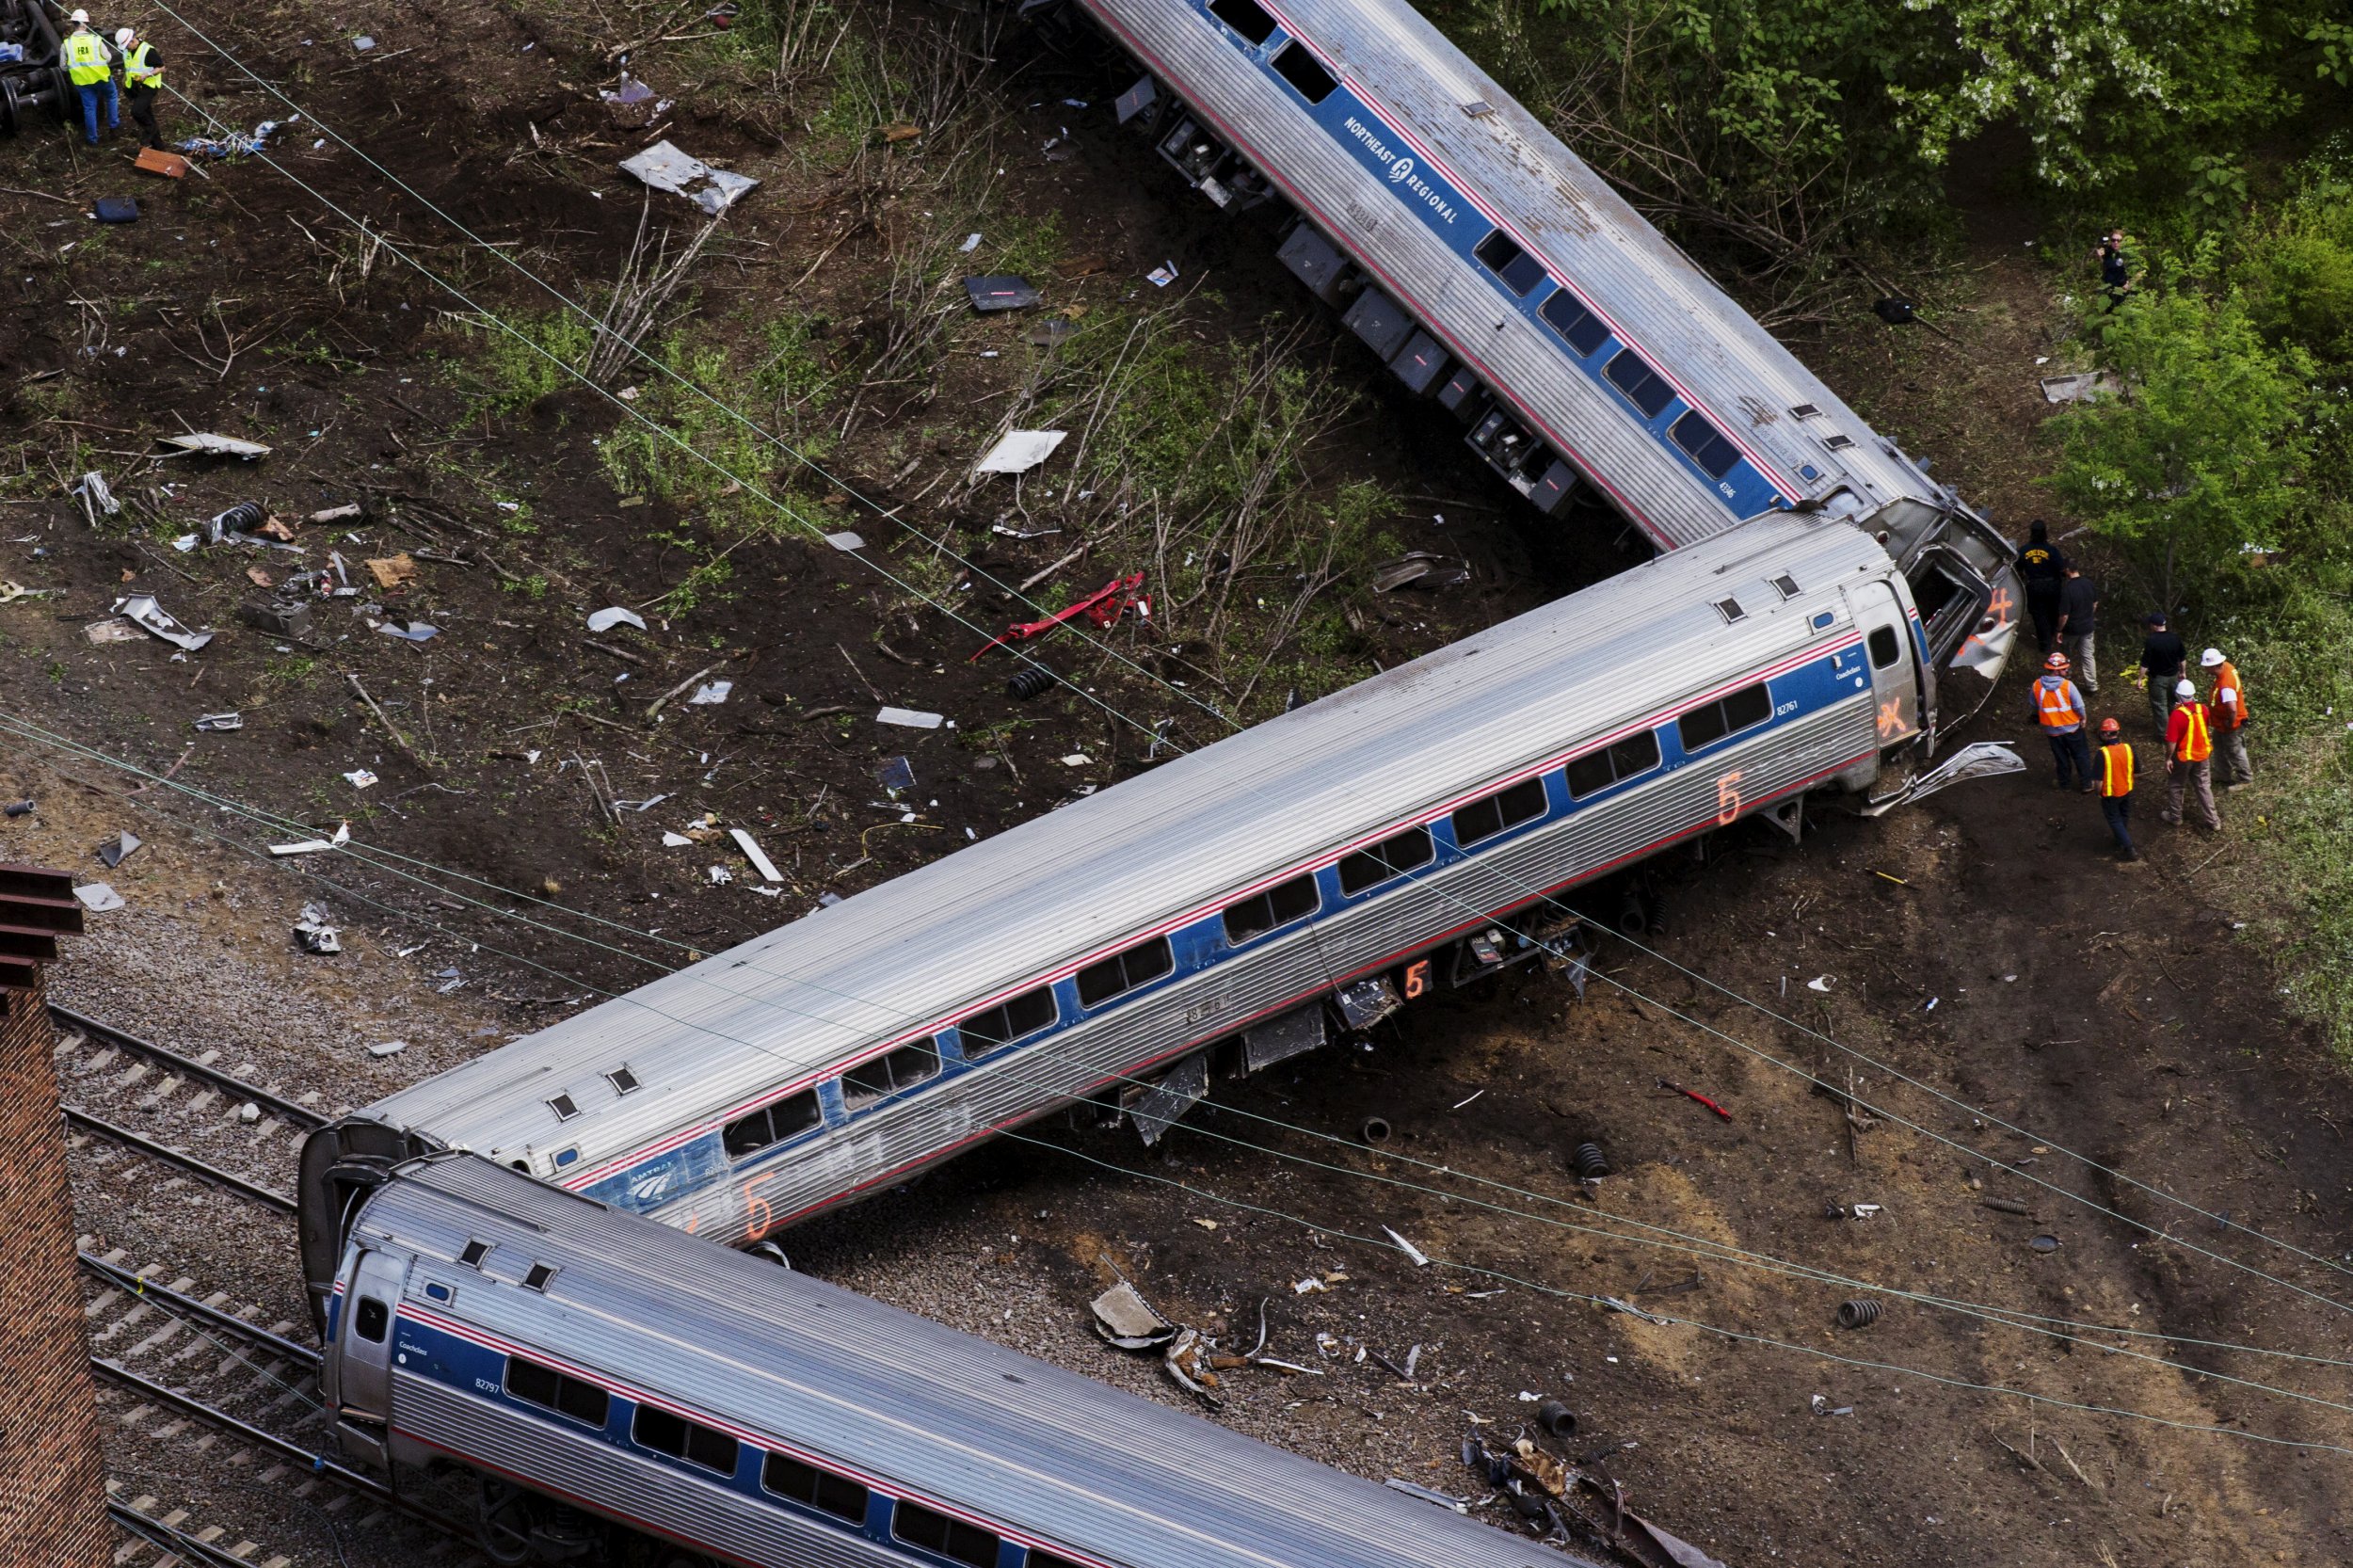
2189	751
2229	704
90	65
142	78
2116	787
2059	708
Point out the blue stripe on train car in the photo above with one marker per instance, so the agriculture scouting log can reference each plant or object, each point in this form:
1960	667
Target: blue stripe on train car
1447	212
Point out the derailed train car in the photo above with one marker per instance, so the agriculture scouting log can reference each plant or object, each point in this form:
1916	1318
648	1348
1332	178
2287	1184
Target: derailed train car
1229	909
1499	276
33	81
629	1395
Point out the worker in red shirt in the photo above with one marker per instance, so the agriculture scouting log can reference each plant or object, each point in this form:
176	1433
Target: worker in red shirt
2189	752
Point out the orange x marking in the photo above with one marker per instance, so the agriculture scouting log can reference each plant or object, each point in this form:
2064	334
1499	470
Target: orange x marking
1892	716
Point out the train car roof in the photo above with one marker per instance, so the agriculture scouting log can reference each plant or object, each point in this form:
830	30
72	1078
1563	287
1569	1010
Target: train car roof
956	934
894	1399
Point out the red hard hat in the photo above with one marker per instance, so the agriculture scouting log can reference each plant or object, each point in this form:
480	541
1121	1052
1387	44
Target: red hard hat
2109	726
2056	662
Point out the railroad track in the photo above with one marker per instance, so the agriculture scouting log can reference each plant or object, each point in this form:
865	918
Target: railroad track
191	1374
242	1136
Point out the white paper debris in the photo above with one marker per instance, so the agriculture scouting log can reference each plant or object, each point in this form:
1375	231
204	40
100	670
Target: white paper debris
845	540
971	243
184	543
711	694
1020	451
752	852
360	778
1076	759
387	1048
721	876
1163	275
674	840
93	488
98	898
911	718
210	445
1421	1258
1820	982
665	168
613	616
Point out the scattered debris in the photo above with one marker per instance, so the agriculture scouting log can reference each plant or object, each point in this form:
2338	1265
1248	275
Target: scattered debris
994	294
360	778
1458	1505
1821	1406
1820	982
2044	1242
98	898
391	572
115	851
1077	760
752	852
2087	387
1858	1314
17	809
206	444
1421	1259
312	846
344	513
1695	1094
387	1048
895	775
1590	1162
1163	275
611	616
720	876
674	840
910	719
144	612
114	631
171	166
1125	1319
92	491
1102	608
1419	568
415	631
665	168
1633	1311
278	617
711	695
315	932
1556	1418
1978	759
243	516
1034	681
236	144
1019	451
114	209
2007	1206
845	540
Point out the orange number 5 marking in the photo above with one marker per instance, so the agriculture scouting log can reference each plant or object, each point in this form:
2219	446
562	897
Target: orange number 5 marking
1728	796
1418	977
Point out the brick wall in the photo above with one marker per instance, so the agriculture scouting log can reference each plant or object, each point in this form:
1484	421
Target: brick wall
53	1500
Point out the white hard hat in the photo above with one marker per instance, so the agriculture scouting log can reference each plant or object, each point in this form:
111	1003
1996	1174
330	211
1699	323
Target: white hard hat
2183	688
123	37
80	17
2211	657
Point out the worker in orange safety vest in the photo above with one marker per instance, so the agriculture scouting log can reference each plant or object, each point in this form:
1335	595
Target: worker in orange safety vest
2189	752
2229	706
2059	707
2116	787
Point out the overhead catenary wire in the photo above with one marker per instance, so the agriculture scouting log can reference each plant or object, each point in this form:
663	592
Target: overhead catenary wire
1701	1248
668	371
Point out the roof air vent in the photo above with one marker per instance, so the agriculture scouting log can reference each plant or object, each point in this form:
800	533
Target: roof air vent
539	1278
1479	108
1786	585
473	1253
1730	609
1804	410
565	1106
622	1080
1838	443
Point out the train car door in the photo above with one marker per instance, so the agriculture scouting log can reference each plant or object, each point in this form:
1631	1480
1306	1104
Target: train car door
363	1356
1887	647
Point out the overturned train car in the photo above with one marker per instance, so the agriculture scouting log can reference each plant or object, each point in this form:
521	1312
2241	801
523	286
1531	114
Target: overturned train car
1499	276
1229	909
630	1397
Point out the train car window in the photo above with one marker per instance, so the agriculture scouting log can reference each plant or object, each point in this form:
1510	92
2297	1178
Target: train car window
1296	65
1613	764
838	1496
550	1389
773	1124
1123	973
1507	808
919	1526
904	1068
690	1441
1394	856
1278	905
1884	648
1706	725
1503	256
1246	17
372	1320
1631	375
1706	444
1008	1022
1567	316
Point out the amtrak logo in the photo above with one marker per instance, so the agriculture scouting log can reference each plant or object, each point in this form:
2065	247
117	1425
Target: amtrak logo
1400	172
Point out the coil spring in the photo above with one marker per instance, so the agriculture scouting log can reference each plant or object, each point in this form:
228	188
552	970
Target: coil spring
1031	680
1591	1164
242	518
1858	1314
1556	1418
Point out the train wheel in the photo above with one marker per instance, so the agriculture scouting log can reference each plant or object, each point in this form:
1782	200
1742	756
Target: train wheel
503	1523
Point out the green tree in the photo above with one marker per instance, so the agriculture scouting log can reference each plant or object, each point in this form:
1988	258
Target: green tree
2202	446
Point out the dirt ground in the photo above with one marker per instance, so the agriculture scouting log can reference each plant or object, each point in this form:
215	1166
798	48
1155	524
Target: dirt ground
1982	944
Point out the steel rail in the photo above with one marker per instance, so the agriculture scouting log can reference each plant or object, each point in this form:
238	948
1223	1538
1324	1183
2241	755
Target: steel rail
214	1174
212	1316
176	1543
285	1109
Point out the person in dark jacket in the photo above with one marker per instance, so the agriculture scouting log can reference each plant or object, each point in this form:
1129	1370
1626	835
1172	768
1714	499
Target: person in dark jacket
2043	571
2163	654
2115	268
2079	599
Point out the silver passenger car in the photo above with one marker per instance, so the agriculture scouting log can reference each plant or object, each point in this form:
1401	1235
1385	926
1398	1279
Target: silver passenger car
1496	273
1224	911
597	1370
